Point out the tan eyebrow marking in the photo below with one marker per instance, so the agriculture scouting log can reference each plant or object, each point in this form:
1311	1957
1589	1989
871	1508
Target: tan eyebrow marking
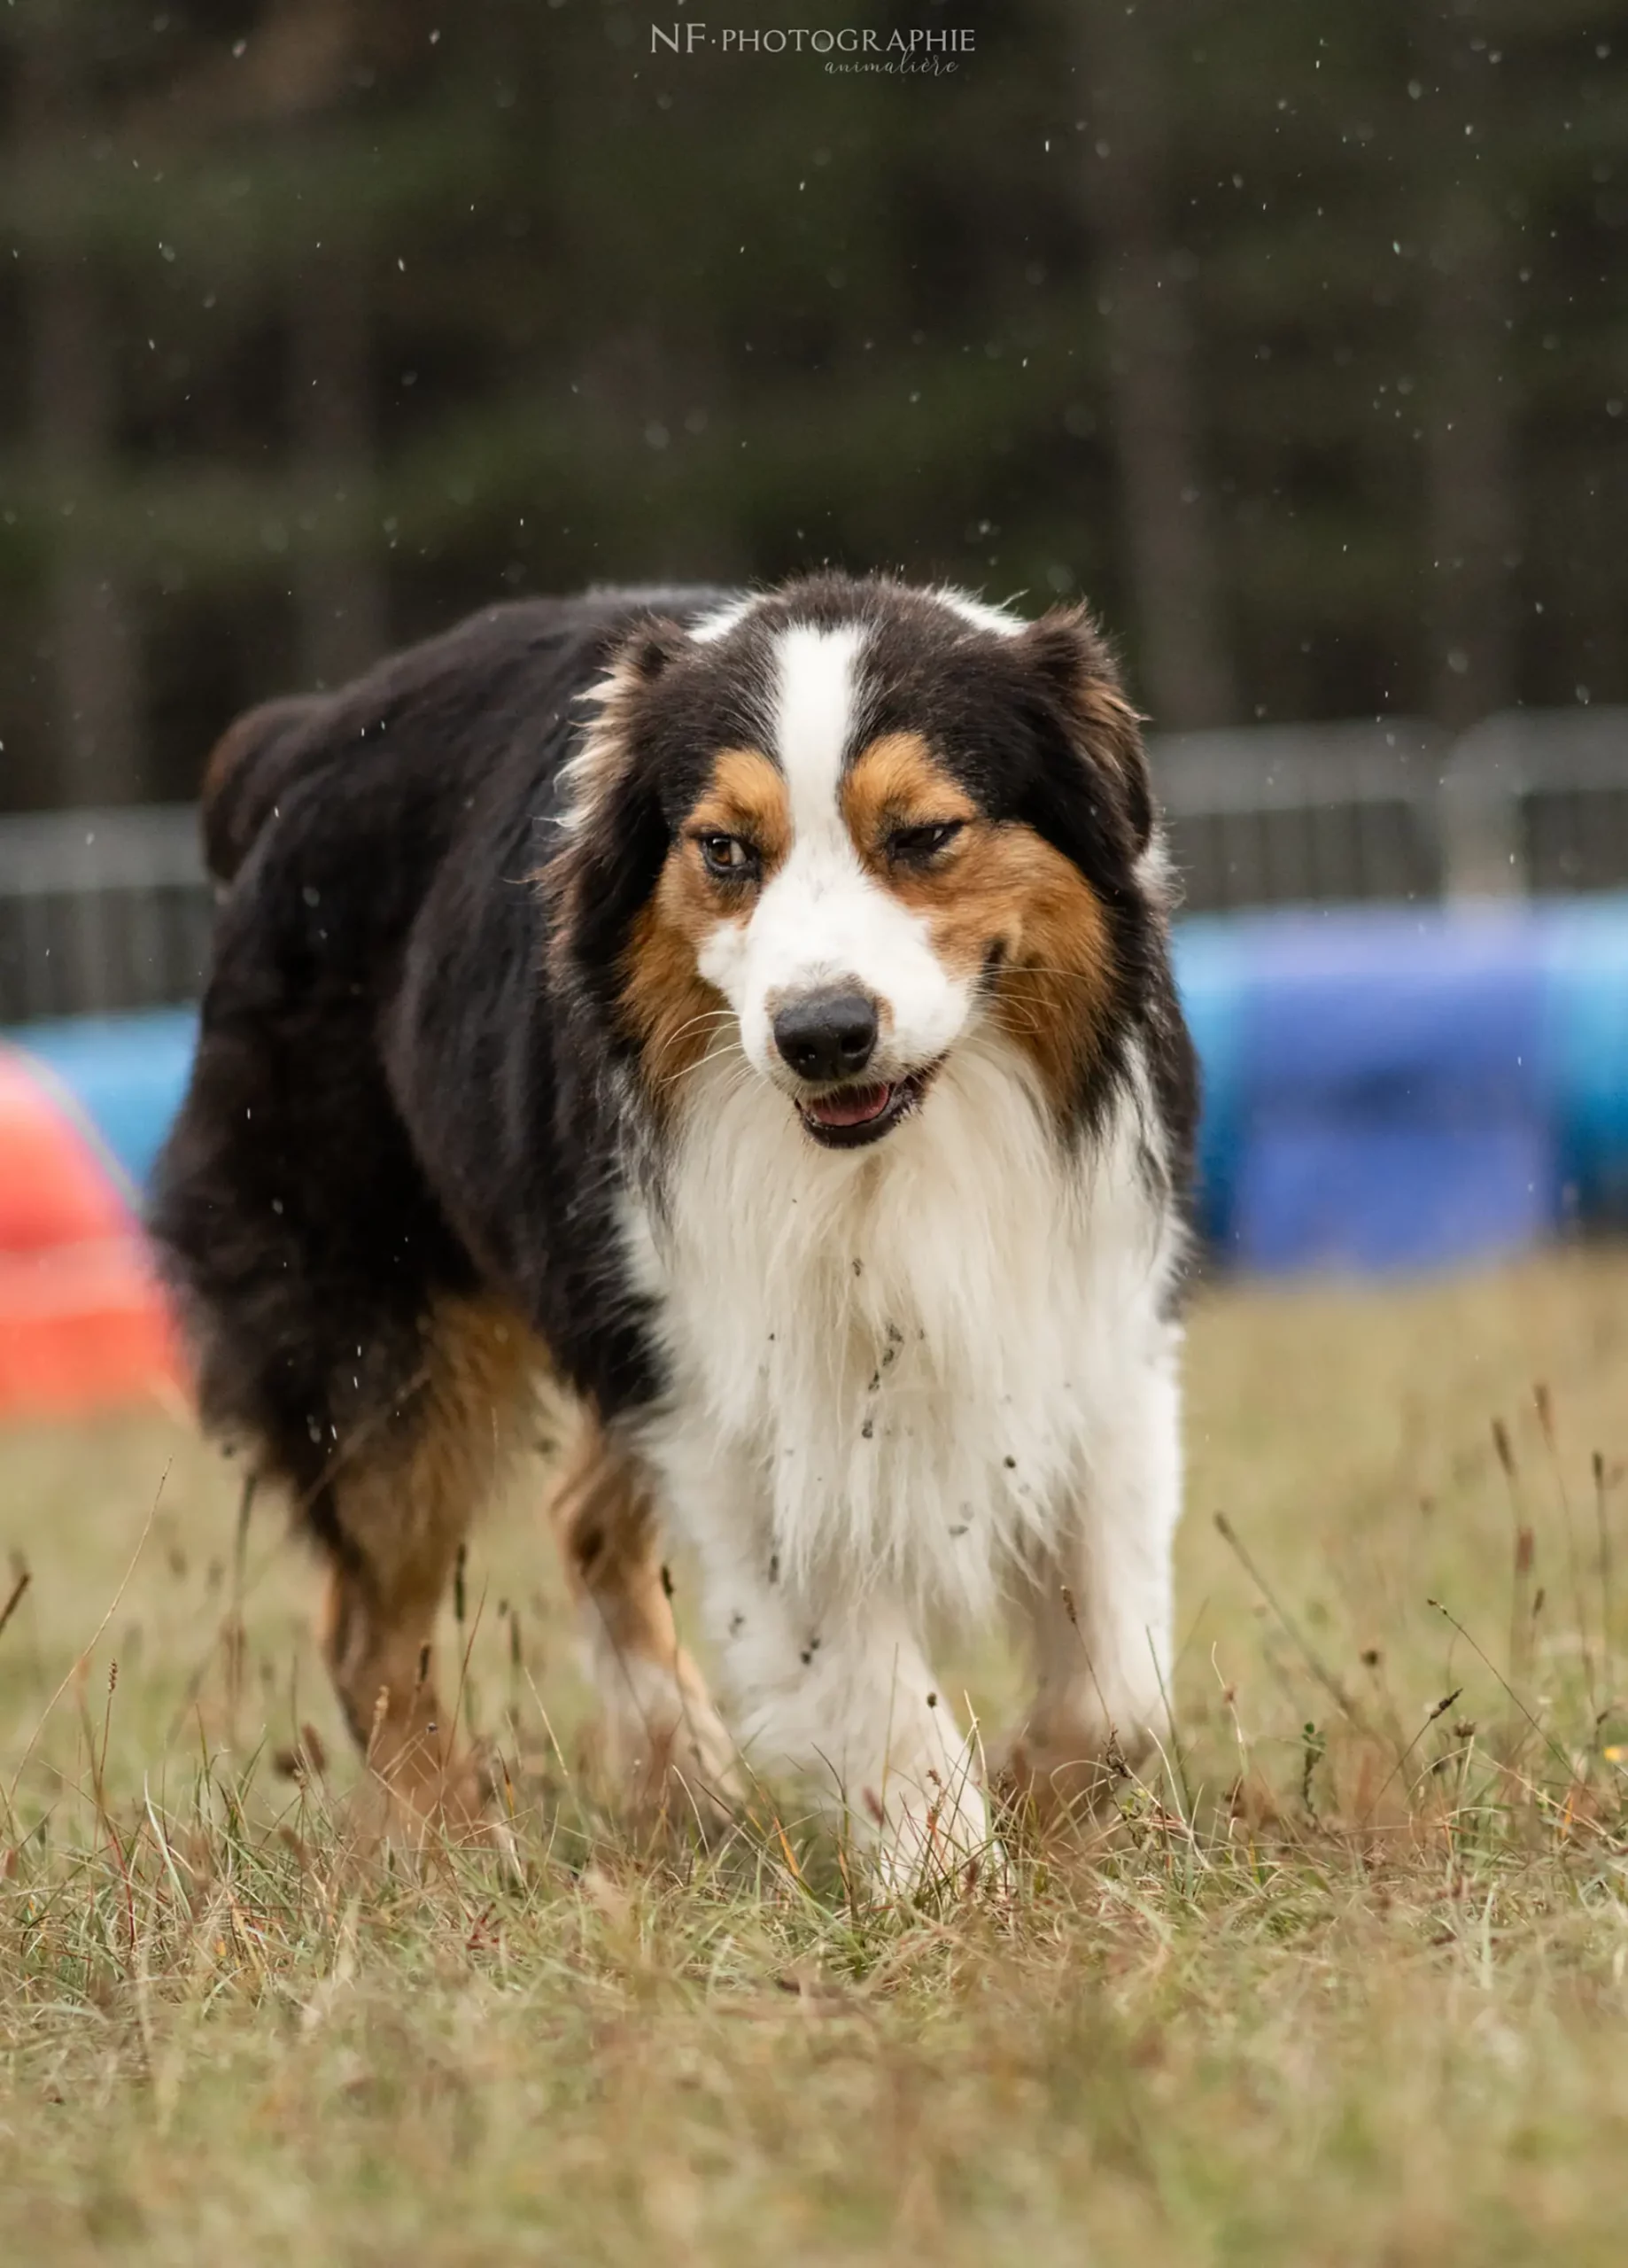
746	795
897	782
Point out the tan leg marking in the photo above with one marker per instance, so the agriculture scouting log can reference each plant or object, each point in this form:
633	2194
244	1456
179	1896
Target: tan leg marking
664	1740
403	1509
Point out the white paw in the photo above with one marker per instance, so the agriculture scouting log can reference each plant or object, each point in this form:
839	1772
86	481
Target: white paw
930	1835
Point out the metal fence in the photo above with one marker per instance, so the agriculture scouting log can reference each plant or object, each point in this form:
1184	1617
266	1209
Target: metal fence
1286	814
101	910
1530	801
111	909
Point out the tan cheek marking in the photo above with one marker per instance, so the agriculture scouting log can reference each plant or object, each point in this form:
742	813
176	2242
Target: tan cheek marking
1057	986
896	782
668	1006
1007	887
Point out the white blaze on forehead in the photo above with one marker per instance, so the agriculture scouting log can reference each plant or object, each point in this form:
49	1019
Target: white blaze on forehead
814	721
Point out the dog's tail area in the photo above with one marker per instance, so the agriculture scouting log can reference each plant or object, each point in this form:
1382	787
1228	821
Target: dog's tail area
256	760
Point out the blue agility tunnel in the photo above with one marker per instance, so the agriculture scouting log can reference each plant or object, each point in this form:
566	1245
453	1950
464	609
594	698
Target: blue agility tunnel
123	1075
1385	1087
1400	1087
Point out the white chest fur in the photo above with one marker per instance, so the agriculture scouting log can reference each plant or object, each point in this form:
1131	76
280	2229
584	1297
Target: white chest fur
911	1350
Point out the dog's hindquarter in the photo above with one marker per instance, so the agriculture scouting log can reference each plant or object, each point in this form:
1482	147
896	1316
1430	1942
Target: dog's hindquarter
359	1208
374	1119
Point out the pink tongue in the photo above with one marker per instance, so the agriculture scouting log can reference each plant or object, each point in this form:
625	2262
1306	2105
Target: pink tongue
851	1106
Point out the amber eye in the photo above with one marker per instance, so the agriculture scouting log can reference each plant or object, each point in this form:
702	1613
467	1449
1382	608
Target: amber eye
727	857
918	846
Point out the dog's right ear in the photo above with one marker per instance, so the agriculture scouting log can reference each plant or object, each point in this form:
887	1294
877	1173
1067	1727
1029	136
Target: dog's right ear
615	830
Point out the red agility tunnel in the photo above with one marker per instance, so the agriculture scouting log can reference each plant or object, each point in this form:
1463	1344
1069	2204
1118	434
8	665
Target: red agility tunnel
81	1321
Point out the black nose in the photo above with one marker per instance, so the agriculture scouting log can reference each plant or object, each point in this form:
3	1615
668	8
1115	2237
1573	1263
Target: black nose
826	1035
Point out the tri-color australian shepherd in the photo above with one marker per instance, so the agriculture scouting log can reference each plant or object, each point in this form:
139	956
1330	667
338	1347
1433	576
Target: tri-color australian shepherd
756	1011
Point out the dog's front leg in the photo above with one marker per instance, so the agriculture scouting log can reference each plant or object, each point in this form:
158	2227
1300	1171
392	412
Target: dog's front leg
828	1692
836	1697
1097	1600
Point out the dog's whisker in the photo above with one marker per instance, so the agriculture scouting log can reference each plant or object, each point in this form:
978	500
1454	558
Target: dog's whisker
710	1059
707	1017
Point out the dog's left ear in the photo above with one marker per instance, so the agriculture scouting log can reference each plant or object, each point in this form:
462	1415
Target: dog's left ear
1072	661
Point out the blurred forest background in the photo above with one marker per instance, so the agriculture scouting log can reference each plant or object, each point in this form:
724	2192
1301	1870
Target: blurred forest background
1293	332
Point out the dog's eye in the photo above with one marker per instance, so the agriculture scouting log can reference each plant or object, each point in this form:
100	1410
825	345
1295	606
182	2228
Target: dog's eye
916	846
727	855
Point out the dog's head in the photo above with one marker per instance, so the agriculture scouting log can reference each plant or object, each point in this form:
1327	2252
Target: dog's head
838	827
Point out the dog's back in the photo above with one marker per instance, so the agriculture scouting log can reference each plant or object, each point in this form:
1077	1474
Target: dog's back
354	835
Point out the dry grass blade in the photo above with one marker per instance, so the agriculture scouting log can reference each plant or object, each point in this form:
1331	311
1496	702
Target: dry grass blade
1318	1991
14	1597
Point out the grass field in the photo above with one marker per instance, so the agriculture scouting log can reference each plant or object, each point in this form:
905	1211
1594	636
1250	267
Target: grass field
1347	1982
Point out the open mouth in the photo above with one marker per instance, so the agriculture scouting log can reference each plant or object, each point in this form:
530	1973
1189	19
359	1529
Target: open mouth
848	1117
